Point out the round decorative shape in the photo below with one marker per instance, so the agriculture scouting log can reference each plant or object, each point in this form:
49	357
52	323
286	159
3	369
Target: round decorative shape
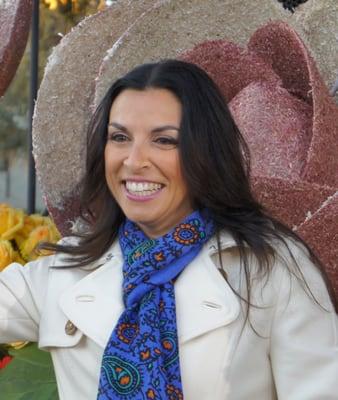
127	332
186	234
173	26
15	19
63	106
318	22
274	43
133	32
137	32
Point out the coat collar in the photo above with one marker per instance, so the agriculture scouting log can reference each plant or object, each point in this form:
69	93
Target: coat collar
204	300
226	241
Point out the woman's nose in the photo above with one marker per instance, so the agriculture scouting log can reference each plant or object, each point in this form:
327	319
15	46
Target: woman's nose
137	157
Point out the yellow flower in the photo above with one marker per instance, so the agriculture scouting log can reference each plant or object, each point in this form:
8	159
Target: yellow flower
52	4
25	232
11	220
7	254
44	233
30	223
18	258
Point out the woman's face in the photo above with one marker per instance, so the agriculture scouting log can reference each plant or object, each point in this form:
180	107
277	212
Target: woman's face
142	164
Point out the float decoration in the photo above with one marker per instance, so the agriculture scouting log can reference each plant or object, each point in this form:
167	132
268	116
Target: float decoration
291	126
21	233
15	19
293	156
140	30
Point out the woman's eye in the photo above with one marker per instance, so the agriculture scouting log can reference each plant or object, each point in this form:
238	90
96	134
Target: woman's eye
166	141
118	137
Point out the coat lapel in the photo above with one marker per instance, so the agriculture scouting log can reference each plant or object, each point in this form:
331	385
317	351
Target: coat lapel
204	300
95	303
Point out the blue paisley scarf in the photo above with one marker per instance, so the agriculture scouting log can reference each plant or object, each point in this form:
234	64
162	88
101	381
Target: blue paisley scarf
141	359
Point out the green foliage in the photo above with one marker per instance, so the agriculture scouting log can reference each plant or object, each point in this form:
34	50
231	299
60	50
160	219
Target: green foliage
28	376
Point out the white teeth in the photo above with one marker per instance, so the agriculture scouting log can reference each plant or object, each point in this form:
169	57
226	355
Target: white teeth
143	188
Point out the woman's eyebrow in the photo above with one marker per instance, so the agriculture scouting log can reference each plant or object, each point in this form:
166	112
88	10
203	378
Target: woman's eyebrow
155	130
118	126
164	128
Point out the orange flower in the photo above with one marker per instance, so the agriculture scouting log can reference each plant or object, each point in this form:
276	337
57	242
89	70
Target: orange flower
145	355
18	258
159	256
189	231
7	254
11	220
30	223
167	345
150	394
39	234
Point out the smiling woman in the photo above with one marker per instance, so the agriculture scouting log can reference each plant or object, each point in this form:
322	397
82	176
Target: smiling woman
142	165
181	286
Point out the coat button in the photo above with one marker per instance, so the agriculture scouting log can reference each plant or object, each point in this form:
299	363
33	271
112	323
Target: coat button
70	328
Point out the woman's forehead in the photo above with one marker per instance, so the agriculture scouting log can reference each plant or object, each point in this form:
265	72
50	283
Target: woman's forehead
146	105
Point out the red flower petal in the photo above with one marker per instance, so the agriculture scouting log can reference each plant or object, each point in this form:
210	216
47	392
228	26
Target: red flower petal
5	361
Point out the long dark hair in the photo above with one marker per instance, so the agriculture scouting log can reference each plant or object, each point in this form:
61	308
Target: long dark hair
215	164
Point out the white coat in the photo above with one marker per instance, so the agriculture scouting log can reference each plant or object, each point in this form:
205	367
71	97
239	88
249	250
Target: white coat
71	313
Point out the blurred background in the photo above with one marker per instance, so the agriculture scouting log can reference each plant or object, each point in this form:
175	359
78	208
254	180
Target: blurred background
57	17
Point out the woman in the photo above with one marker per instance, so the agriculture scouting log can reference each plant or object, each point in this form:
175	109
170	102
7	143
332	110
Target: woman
180	286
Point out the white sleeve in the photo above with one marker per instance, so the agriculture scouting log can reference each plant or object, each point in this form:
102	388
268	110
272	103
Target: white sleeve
22	291
304	348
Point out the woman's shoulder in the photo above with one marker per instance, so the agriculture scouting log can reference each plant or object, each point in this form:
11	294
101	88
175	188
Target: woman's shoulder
291	272
37	270
299	276
293	261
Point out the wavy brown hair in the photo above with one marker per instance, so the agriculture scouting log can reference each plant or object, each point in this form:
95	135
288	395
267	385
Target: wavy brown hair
215	164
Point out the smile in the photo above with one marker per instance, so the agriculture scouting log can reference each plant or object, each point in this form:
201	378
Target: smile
142	189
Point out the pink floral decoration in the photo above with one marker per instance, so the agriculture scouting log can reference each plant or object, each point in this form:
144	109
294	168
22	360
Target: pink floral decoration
290	121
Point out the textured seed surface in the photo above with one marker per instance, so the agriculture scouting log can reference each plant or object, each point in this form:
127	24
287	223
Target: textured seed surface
277	95
15	17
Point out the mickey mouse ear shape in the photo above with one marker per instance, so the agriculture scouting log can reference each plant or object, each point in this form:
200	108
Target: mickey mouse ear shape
280	46
233	67
15	18
308	204
289	120
120	37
